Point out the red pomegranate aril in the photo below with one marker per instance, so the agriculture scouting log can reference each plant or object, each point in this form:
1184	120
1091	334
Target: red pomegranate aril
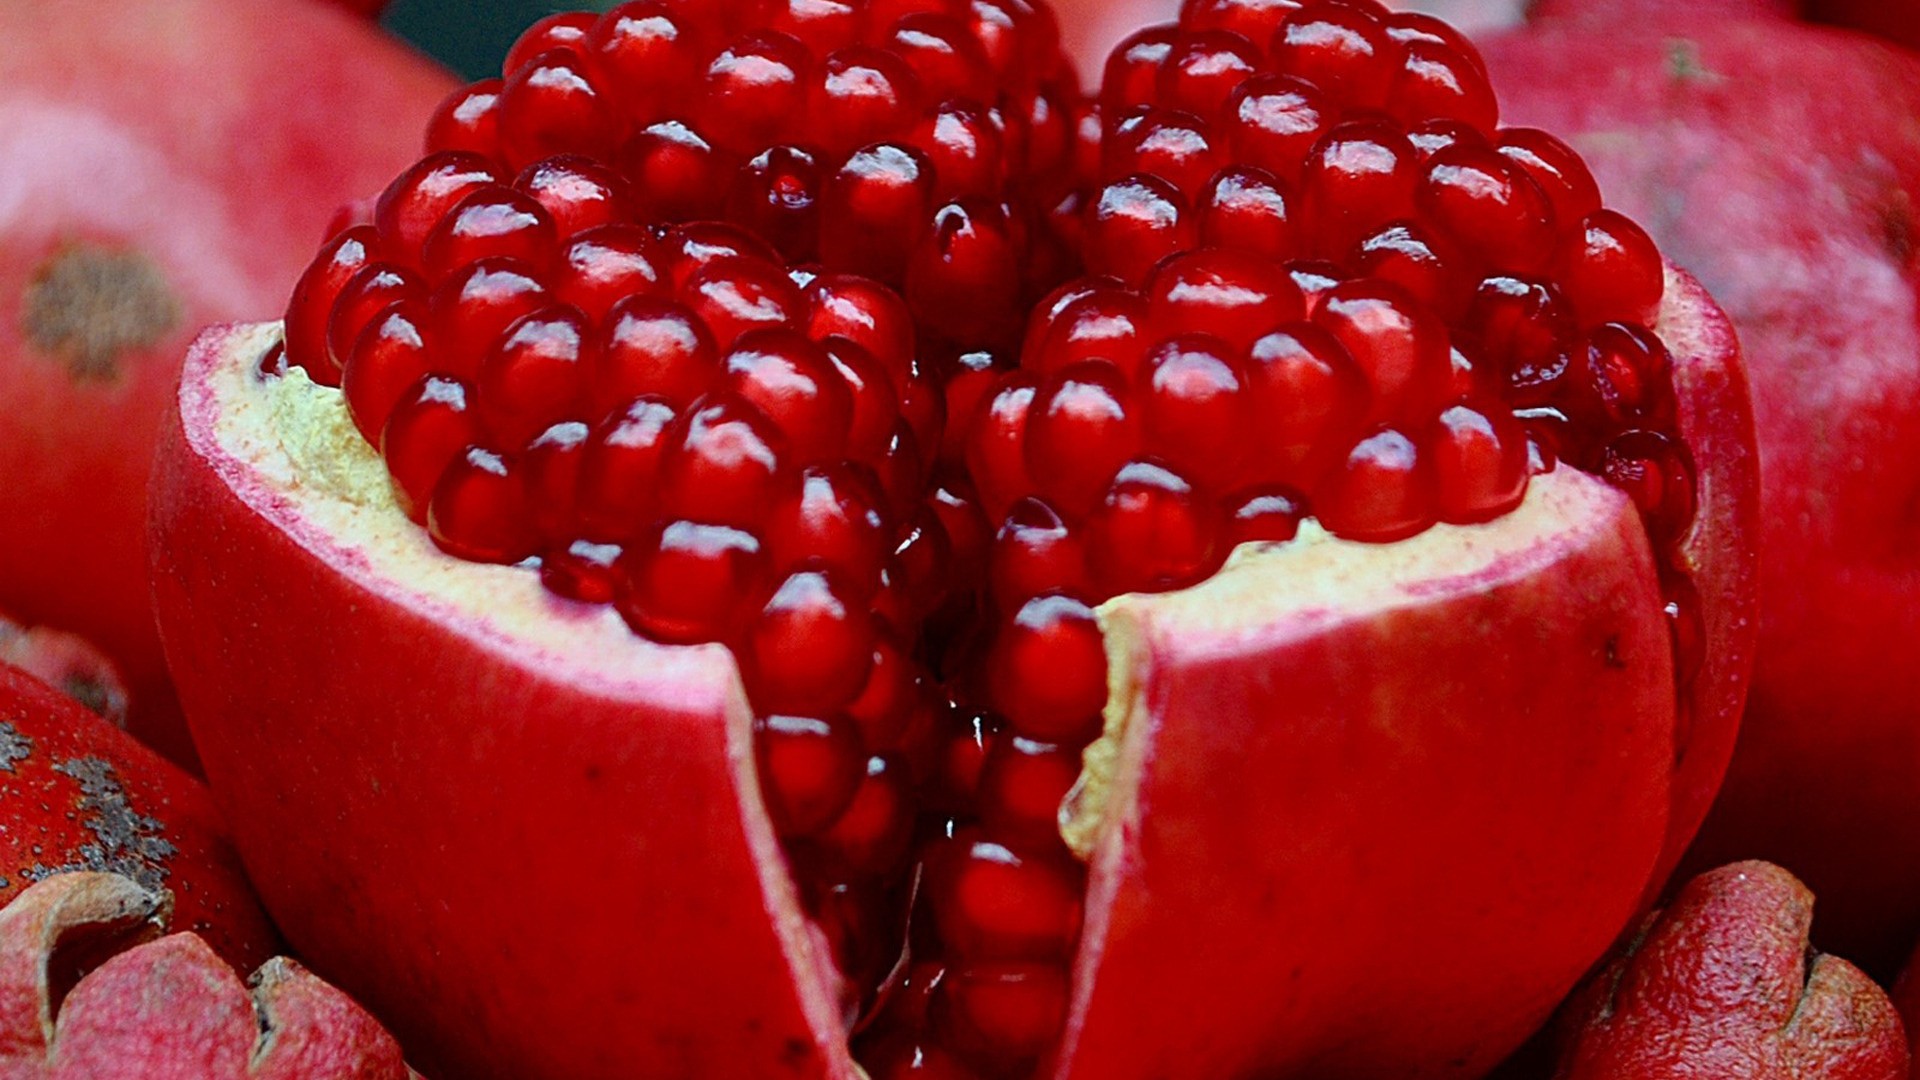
1315	277
1382	492
735	295
1047	672
1203	69
1134	223
468	120
1132	75
1153	533
1557	170
1084	427
1438	82
1267	515
1246	208
1341	48
673	172
643	52
411	206
966	148
874	834
692	583
367	293
835	519
1488	205
310	310
620	470
776	194
946	59
723	465
427	430
961	758
535	377
1023	784
1178	148
550	467
793	384
1610	271
970	261
1479	461
1520	328
753	92
1272	122
810	771
1403	253
861	95
492	222
996	447
583	571
887	702
473	309
549	107
603	266
1034	553
1309	394
1255	20
1620	377
1233	296
651	347
1397	343
875	404
810	649
391	356
478	510
864	312
566	30
577	193
1196	409
1091	321
875	208
1410	27
1657	473
1003	1016
990	903
1433	136
1358	178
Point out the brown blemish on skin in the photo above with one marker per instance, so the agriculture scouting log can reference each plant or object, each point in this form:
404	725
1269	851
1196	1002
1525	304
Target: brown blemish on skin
89	306
126	842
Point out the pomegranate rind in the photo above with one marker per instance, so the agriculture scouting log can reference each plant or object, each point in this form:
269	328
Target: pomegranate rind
1372	811
162	1008
1724	983
530	838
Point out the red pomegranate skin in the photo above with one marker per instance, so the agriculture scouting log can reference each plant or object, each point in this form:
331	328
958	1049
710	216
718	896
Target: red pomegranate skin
70	664
76	794
1723	983
163	176
1895	20
89	989
1780	163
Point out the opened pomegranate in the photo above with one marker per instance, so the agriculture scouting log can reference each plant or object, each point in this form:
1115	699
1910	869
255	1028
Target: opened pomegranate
93	987
1780	162
1723	983
1351	570
162	174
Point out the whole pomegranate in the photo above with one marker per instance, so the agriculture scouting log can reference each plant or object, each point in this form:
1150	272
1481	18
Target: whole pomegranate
164	172
1780	162
1723	983
76	794
89	988
1204	674
69	663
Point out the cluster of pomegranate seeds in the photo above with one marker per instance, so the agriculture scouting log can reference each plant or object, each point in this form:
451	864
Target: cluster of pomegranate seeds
1326	286
675	421
917	142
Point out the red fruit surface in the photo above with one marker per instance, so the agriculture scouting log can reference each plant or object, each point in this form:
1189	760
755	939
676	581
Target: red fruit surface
1780	163
164	177
76	794
91	989
1724	983
943	687
1895	20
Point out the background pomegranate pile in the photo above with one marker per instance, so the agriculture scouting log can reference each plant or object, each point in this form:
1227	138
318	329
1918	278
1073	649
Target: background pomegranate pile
1319	282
